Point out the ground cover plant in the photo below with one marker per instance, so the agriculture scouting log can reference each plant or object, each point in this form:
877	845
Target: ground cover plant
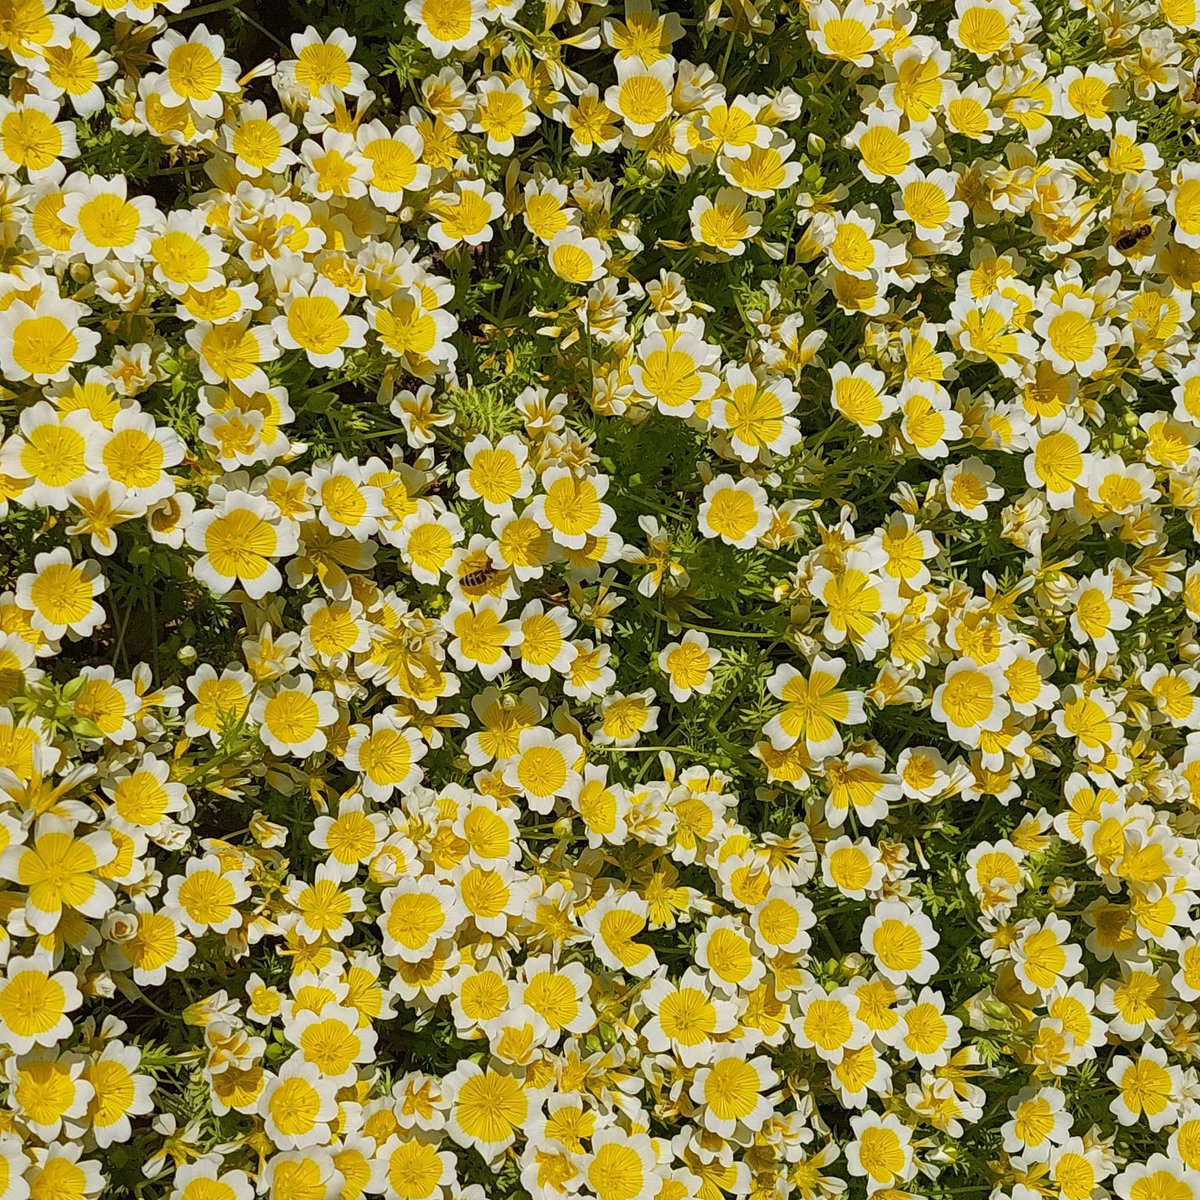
599	600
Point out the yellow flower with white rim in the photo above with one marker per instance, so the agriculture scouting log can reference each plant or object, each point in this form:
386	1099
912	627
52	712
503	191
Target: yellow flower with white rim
1042	955
333	1042
602	806
688	665
725	223
75	68
417	914
1093	94
971	699
851	34
737	512
396	169
685	1017
733	128
414	332
546	210
925	1033
47	456
323	67
734	1091
136	453
448	25
575	258
492	897
641	97
60	595
1160	1173
206	896
196	71
858	600
43	341
198	1180
32	139
465	216
614	923
107	222
58	870
144	797
1148	1088
756	414
621	1166
860	785
1174	693
986	327
544	640
238	539
726	951
901	939
49	1094
410	1167
918	83
907	551
292	717
345	502
221	701
673	367
503	113
1097	614
120	1091
496	474
558	993
35	1001
152	944
624	718
295	1171
315	321
487	1108
929	419
1074	338
350	838
544	767
880	1152
884	150
858	395
570	507
850	243
767	169
259	140
298	1105
781	921
386	754
929	200
480	636
592	123
969	487
186	257
827	1022
232	353
1120	487
1058	462
1183	203
854	867
813	707
984	27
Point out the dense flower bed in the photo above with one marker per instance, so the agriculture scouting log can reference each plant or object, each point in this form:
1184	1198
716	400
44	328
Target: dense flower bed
599	601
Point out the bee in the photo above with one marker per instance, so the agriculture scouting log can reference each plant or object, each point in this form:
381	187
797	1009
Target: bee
480	577
1131	237
1192	96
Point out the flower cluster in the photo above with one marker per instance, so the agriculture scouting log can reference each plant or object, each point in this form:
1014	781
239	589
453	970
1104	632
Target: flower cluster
600	602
